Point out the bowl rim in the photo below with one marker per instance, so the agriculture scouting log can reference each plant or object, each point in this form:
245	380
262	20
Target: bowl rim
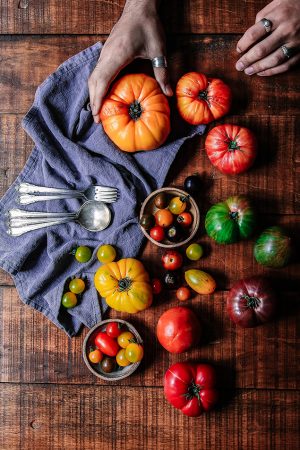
132	367
197	218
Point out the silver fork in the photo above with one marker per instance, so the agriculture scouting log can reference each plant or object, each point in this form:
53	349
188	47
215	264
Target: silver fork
29	193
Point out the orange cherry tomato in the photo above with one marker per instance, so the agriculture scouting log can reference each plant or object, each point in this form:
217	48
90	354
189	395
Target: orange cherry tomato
183	293
164	218
95	356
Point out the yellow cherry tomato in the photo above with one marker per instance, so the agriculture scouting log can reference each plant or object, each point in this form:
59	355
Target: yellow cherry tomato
134	352
69	300
121	358
125	338
95	356
106	253
178	204
77	285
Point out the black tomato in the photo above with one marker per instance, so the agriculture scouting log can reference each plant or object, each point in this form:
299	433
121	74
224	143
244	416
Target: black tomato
108	365
161	201
147	221
172	280
192	184
175	233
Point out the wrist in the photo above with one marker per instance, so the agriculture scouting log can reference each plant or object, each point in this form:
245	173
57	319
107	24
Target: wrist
143	6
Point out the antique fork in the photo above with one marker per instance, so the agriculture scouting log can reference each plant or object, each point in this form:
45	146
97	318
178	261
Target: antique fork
29	193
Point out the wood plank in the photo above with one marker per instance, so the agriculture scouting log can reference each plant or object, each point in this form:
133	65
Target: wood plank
26	66
35	351
85	418
96	16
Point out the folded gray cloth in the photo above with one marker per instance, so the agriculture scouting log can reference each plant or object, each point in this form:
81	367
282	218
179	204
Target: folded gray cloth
71	151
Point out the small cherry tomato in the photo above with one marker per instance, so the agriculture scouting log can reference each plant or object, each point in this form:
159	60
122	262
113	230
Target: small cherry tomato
69	300
157	233
121	358
172	280
83	254
108	365
156	286
164	218
77	285
194	252
178	204
172	260
161	200
147	221
106	344
192	184
175	233
113	329
106	253
185	219
134	352
183	293
95	356
125	338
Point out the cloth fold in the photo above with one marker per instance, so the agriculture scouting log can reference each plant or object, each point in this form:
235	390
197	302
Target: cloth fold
71	151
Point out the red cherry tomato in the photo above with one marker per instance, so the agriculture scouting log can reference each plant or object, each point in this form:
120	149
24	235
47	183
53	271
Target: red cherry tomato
191	388
106	344
172	260
183	293
113	329
156	286
157	233
185	219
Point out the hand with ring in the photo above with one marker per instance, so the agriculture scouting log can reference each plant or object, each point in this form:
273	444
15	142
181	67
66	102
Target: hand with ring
137	34
272	45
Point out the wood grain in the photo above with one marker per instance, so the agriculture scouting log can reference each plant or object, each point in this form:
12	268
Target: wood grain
27	62
40	353
96	16
87	417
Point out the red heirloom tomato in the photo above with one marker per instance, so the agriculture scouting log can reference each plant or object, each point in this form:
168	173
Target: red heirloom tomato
157	233
191	388
106	344
251	302
178	329
231	148
172	260
113	329
201	99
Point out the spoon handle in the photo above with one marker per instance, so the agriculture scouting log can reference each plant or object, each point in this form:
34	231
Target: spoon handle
27	199
23	214
21	222
27	188
18	231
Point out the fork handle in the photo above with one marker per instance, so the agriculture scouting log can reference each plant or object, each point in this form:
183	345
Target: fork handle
18	231
27	199
27	188
23	214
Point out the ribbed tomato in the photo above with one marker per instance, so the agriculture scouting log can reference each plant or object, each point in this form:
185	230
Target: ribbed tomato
201	99
136	114
191	388
231	148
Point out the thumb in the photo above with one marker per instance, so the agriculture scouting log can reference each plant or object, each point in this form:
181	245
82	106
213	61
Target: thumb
162	77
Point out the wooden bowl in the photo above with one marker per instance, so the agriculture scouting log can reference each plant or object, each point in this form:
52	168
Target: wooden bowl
148	207
121	372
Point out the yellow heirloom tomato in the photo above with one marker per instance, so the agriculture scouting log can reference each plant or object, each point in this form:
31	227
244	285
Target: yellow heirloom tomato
125	285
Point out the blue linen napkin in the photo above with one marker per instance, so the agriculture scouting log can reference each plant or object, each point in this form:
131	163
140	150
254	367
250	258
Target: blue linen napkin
72	152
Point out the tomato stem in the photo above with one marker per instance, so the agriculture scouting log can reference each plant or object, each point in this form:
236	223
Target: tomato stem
203	95
233	145
124	284
193	391
135	110
234	215
252	302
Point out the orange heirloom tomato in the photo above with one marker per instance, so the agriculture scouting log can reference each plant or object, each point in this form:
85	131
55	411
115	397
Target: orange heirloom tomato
125	285
95	356
136	114
201	99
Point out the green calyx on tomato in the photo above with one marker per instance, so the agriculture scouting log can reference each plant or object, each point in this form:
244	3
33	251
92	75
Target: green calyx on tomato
203	95
230	221
135	110
233	145
124	284
252	302
193	391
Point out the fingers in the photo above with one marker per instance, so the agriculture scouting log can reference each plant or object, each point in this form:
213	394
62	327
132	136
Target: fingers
260	50
162	77
251	36
287	65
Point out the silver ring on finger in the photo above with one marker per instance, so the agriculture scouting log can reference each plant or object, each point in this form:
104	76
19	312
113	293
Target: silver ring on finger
159	61
267	24
288	52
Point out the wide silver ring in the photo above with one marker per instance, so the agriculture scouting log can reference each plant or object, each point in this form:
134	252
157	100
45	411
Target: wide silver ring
288	52
267	25
159	61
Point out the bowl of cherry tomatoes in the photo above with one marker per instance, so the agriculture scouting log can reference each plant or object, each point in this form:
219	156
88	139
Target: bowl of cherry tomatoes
169	217
113	349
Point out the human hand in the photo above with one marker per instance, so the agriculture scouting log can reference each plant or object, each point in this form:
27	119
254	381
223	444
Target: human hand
263	52
138	34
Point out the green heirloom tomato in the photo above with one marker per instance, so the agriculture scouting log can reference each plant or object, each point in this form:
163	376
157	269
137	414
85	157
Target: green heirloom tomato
273	248
83	254
229	221
69	300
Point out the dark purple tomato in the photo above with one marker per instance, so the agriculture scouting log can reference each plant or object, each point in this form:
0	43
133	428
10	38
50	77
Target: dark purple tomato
175	233
172	280
147	221
251	302
108	365
192	184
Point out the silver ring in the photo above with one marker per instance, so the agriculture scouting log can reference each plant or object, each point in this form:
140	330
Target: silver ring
267	24
288	52
159	61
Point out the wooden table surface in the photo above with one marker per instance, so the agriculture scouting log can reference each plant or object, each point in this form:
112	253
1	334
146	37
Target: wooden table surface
49	400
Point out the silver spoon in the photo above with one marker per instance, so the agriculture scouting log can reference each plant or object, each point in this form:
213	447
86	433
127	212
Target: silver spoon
93	216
